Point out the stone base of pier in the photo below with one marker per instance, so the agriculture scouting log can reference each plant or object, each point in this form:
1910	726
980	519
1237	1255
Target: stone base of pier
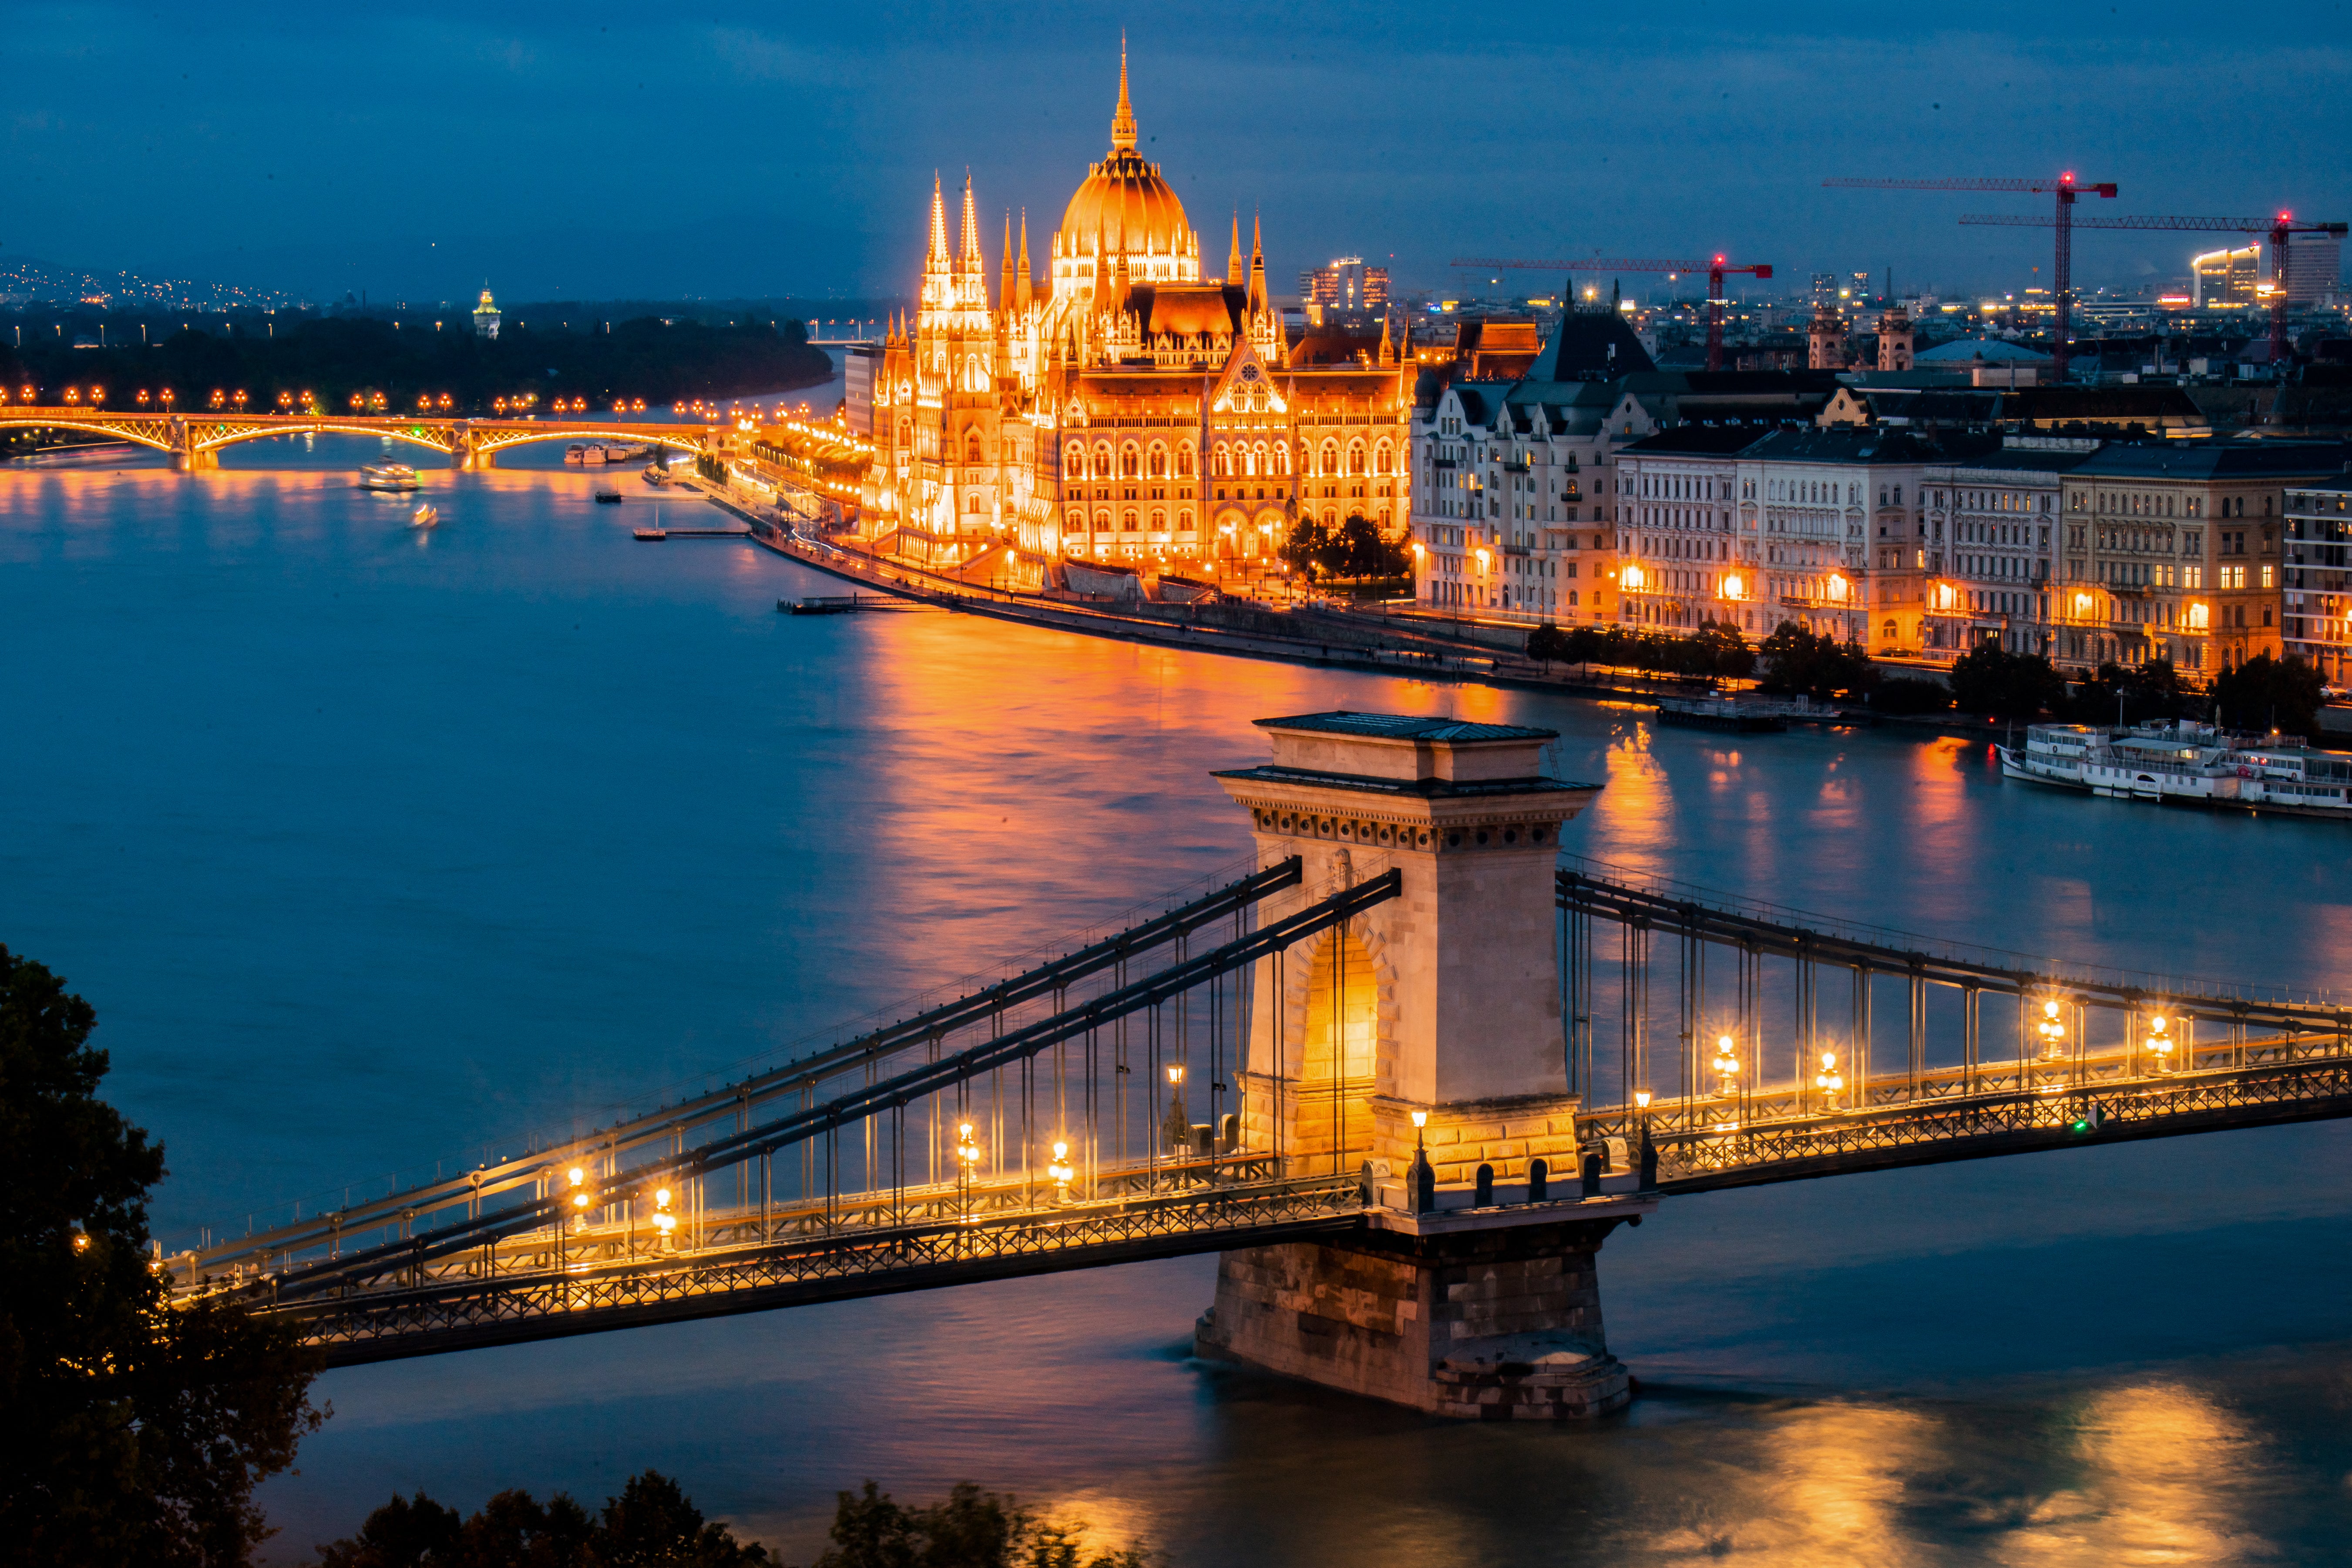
1480	1316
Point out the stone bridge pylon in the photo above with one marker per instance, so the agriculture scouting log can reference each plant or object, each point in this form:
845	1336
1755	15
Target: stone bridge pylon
1422	1043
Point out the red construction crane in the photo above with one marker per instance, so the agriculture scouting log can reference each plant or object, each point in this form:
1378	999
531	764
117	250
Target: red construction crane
2278	229
1714	269
2064	187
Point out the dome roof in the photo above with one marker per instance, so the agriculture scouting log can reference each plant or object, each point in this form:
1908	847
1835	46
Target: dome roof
1125	199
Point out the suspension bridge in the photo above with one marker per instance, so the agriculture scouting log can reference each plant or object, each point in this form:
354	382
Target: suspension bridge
1404	1077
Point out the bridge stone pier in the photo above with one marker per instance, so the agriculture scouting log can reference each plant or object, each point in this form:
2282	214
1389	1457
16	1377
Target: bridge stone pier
1472	1290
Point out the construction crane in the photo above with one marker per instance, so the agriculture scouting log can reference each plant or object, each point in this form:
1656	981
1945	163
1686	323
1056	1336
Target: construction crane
1714	269
2280	229
2065	188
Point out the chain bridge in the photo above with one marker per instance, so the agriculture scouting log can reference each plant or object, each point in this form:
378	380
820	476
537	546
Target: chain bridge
195	440
1405	1078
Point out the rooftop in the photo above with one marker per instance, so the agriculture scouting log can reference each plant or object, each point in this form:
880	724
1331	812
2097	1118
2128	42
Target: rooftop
2215	460
1405	727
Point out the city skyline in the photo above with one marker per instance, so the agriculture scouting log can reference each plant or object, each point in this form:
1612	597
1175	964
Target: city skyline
564	159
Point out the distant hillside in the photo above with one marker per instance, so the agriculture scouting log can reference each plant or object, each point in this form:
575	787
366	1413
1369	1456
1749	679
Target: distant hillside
26	281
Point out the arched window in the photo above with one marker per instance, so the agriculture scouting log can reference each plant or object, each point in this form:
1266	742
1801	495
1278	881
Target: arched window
1355	457
1159	521
1131	522
1075	461
972	447
1102	461
1220	463
1282	457
1184	461
1328	462
1156	460
906	433
1381	458
1077	520
1102	522
971	502
1130	461
1250	461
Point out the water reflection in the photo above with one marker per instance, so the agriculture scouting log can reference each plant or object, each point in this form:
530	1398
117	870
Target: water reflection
369	854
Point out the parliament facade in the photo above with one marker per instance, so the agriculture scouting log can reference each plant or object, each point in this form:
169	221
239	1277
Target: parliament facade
1115	405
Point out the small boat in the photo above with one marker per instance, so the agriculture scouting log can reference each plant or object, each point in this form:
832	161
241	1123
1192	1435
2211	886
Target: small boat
424	516
1721	714
657	476
389	477
625	451
653	535
608	495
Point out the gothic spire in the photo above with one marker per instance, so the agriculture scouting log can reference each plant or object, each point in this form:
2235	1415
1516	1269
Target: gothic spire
1024	256
1122	123
971	261
1234	257
937	261
1004	289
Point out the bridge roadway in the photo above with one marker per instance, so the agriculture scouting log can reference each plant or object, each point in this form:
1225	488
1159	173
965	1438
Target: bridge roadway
528	1269
195	440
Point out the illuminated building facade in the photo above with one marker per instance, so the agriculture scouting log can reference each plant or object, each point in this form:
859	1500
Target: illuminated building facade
1115	404
2318	609
486	316
2224	277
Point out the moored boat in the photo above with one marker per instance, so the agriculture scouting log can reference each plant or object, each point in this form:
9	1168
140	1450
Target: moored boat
2186	764
389	477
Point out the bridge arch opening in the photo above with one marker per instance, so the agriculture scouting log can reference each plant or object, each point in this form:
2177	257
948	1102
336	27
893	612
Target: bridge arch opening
122	432
1335	1027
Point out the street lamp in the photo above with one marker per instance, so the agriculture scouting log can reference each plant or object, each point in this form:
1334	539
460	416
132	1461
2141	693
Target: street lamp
166	394
967	1162
2052	1032
1061	1171
1829	1081
664	1221
1424	1176
1727	1063
2159	1041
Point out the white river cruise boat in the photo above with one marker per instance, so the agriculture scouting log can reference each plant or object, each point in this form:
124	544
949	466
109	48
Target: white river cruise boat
2188	764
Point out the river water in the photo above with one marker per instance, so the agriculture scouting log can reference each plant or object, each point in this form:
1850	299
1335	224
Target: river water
374	848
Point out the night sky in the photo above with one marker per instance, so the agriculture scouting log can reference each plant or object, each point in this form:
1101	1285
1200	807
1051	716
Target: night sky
413	147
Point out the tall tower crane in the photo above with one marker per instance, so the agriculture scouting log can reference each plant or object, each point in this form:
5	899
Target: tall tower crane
1714	269
2280	229
2064	188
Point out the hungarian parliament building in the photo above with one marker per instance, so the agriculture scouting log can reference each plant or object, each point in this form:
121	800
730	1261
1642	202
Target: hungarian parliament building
1116	405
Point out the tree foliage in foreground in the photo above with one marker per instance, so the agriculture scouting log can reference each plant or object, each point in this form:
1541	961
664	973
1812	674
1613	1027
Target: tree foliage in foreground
134	1433
1716	648
2264	692
652	1524
1798	661
973	1529
1354	549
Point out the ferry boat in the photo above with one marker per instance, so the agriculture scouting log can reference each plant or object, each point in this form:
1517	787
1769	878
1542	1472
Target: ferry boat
657	475
389	477
2187	763
424	516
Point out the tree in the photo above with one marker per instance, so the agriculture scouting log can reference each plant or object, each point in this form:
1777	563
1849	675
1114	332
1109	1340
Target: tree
652	1524
1797	661
1304	546
973	1529
1357	550
1723	651
1986	679
1904	694
136	1431
1549	645
2264	692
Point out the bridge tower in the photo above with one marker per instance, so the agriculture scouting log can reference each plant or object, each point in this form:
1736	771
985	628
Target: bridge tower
1478	1297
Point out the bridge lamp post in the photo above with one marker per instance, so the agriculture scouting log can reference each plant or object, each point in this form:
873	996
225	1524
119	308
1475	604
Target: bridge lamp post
96	395
2159	1042
239	399
665	1222
358	403
285	401
166	396
1062	1170
2052	1032
73	394
577	1212
1829	1082
967	1162
142	397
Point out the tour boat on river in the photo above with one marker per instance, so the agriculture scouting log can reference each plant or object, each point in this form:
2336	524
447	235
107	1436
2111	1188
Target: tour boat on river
2188	764
389	477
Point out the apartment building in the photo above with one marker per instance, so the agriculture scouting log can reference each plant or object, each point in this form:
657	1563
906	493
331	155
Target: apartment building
2316	618
2176	551
1990	546
1817	504
1510	516
1682	559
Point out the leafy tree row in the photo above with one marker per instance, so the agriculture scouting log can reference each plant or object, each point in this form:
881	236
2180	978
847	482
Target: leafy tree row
651	1522
1354	549
2261	693
1717	649
334	358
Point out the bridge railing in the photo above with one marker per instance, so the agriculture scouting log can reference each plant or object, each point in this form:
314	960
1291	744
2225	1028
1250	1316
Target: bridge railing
971	1111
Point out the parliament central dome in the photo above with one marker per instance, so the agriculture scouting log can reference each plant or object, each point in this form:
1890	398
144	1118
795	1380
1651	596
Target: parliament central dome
1123	208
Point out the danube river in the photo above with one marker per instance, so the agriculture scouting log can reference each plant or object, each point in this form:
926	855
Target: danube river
375	849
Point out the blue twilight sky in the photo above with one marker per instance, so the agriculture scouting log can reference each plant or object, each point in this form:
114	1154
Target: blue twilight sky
708	147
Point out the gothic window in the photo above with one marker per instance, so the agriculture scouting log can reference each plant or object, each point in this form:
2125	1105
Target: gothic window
1130	461
1184	461
1102	461
1252	462
1159	461
1131	522
1355	457
1330	459
1381	458
971	503
972	447
906	433
1102	522
1158	520
1282	458
1077	461
1077	520
1220	465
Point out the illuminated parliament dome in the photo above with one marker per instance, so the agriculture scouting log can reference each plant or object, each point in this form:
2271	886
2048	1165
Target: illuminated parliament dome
1123	210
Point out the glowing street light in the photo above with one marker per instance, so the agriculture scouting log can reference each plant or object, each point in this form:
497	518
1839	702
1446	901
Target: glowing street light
967	1154
1061	1170
2159	1041
664	1220
1727	1062
1829	1081
166	394
2052	1032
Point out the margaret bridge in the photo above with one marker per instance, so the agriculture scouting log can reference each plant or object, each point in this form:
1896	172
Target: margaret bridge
196	440
1404	1077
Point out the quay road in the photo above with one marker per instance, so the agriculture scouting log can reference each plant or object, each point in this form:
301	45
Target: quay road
195	440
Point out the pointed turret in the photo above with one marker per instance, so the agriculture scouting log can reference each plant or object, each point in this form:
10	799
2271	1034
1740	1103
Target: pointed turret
971	259
1388	344
1122	122
936	259
1257	265
1234	257
1005	288
1024	258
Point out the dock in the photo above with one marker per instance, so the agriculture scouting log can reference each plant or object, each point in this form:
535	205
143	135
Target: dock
655	535
843	604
